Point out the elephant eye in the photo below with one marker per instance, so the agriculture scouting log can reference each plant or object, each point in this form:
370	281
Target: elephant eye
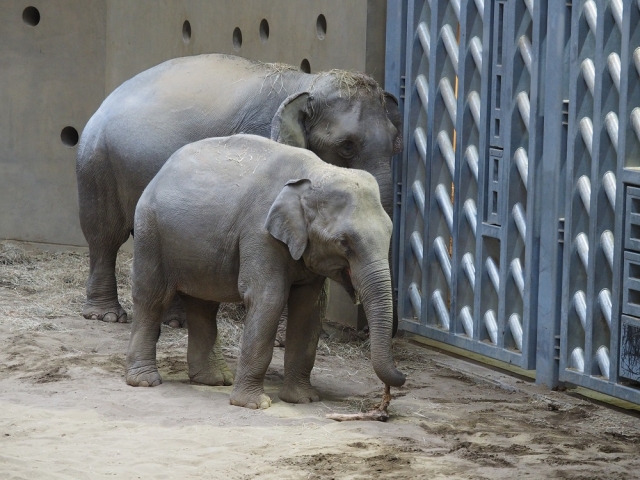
344	245
347	149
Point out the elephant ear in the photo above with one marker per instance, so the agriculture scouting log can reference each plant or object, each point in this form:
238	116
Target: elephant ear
288	124
393	114
286	220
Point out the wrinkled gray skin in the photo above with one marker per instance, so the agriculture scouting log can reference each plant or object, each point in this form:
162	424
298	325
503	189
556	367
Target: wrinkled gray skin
149	117
246	219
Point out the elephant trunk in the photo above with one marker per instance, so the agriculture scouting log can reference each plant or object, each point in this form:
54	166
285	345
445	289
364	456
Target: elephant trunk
384	177
373	284
381	170
386	195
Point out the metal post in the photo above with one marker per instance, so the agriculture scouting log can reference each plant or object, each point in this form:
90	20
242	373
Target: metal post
550	215
394	84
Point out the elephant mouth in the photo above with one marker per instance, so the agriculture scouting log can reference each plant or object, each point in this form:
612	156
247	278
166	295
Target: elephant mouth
345	277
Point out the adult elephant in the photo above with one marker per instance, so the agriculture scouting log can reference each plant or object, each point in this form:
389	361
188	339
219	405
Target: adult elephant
345	118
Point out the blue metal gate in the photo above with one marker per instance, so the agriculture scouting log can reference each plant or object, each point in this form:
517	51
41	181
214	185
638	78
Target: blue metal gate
519	187
602	198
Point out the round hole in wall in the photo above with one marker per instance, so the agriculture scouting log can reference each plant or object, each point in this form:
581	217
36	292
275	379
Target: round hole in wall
186	31
264	31
69	136
304	66
321	27
31	16
237	39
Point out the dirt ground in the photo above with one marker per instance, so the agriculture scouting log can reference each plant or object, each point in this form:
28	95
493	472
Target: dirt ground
66	412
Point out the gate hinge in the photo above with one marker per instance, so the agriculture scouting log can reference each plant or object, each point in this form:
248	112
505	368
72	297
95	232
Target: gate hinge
399	194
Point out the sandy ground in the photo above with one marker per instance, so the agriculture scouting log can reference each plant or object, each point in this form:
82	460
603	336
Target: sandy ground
66	412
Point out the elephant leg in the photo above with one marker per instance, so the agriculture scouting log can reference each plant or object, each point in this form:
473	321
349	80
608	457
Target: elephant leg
263	313
204	355
303	332
142	370
102	291
282	325
152	295
105	228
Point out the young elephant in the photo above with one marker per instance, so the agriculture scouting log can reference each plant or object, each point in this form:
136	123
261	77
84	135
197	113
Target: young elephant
247	219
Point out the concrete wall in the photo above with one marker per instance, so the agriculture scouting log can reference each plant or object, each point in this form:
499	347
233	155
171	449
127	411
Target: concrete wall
52	75
140	34
55	74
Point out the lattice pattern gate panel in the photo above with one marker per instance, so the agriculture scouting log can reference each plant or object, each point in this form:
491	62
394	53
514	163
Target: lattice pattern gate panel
468	262
601	272
473	249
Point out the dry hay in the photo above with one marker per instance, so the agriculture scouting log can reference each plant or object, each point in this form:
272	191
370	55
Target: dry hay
53	285
350	83
276	68
354	84
359	404
12	255
230	327
356	347
274	72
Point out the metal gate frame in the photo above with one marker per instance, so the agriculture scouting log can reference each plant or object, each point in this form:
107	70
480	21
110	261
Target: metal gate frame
550	250
456	287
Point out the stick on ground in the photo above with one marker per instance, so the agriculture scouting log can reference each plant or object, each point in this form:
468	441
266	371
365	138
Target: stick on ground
379	414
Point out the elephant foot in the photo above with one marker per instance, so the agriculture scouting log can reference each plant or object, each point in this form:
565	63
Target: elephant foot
212	371
253	401
176	316
226	373
299	394
143	376
114	314
175	321
213	378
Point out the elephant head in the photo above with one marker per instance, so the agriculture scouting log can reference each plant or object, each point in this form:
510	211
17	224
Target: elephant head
337	225
347	120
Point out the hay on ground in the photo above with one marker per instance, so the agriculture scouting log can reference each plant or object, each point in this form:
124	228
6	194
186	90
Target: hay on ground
53	283
53	286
